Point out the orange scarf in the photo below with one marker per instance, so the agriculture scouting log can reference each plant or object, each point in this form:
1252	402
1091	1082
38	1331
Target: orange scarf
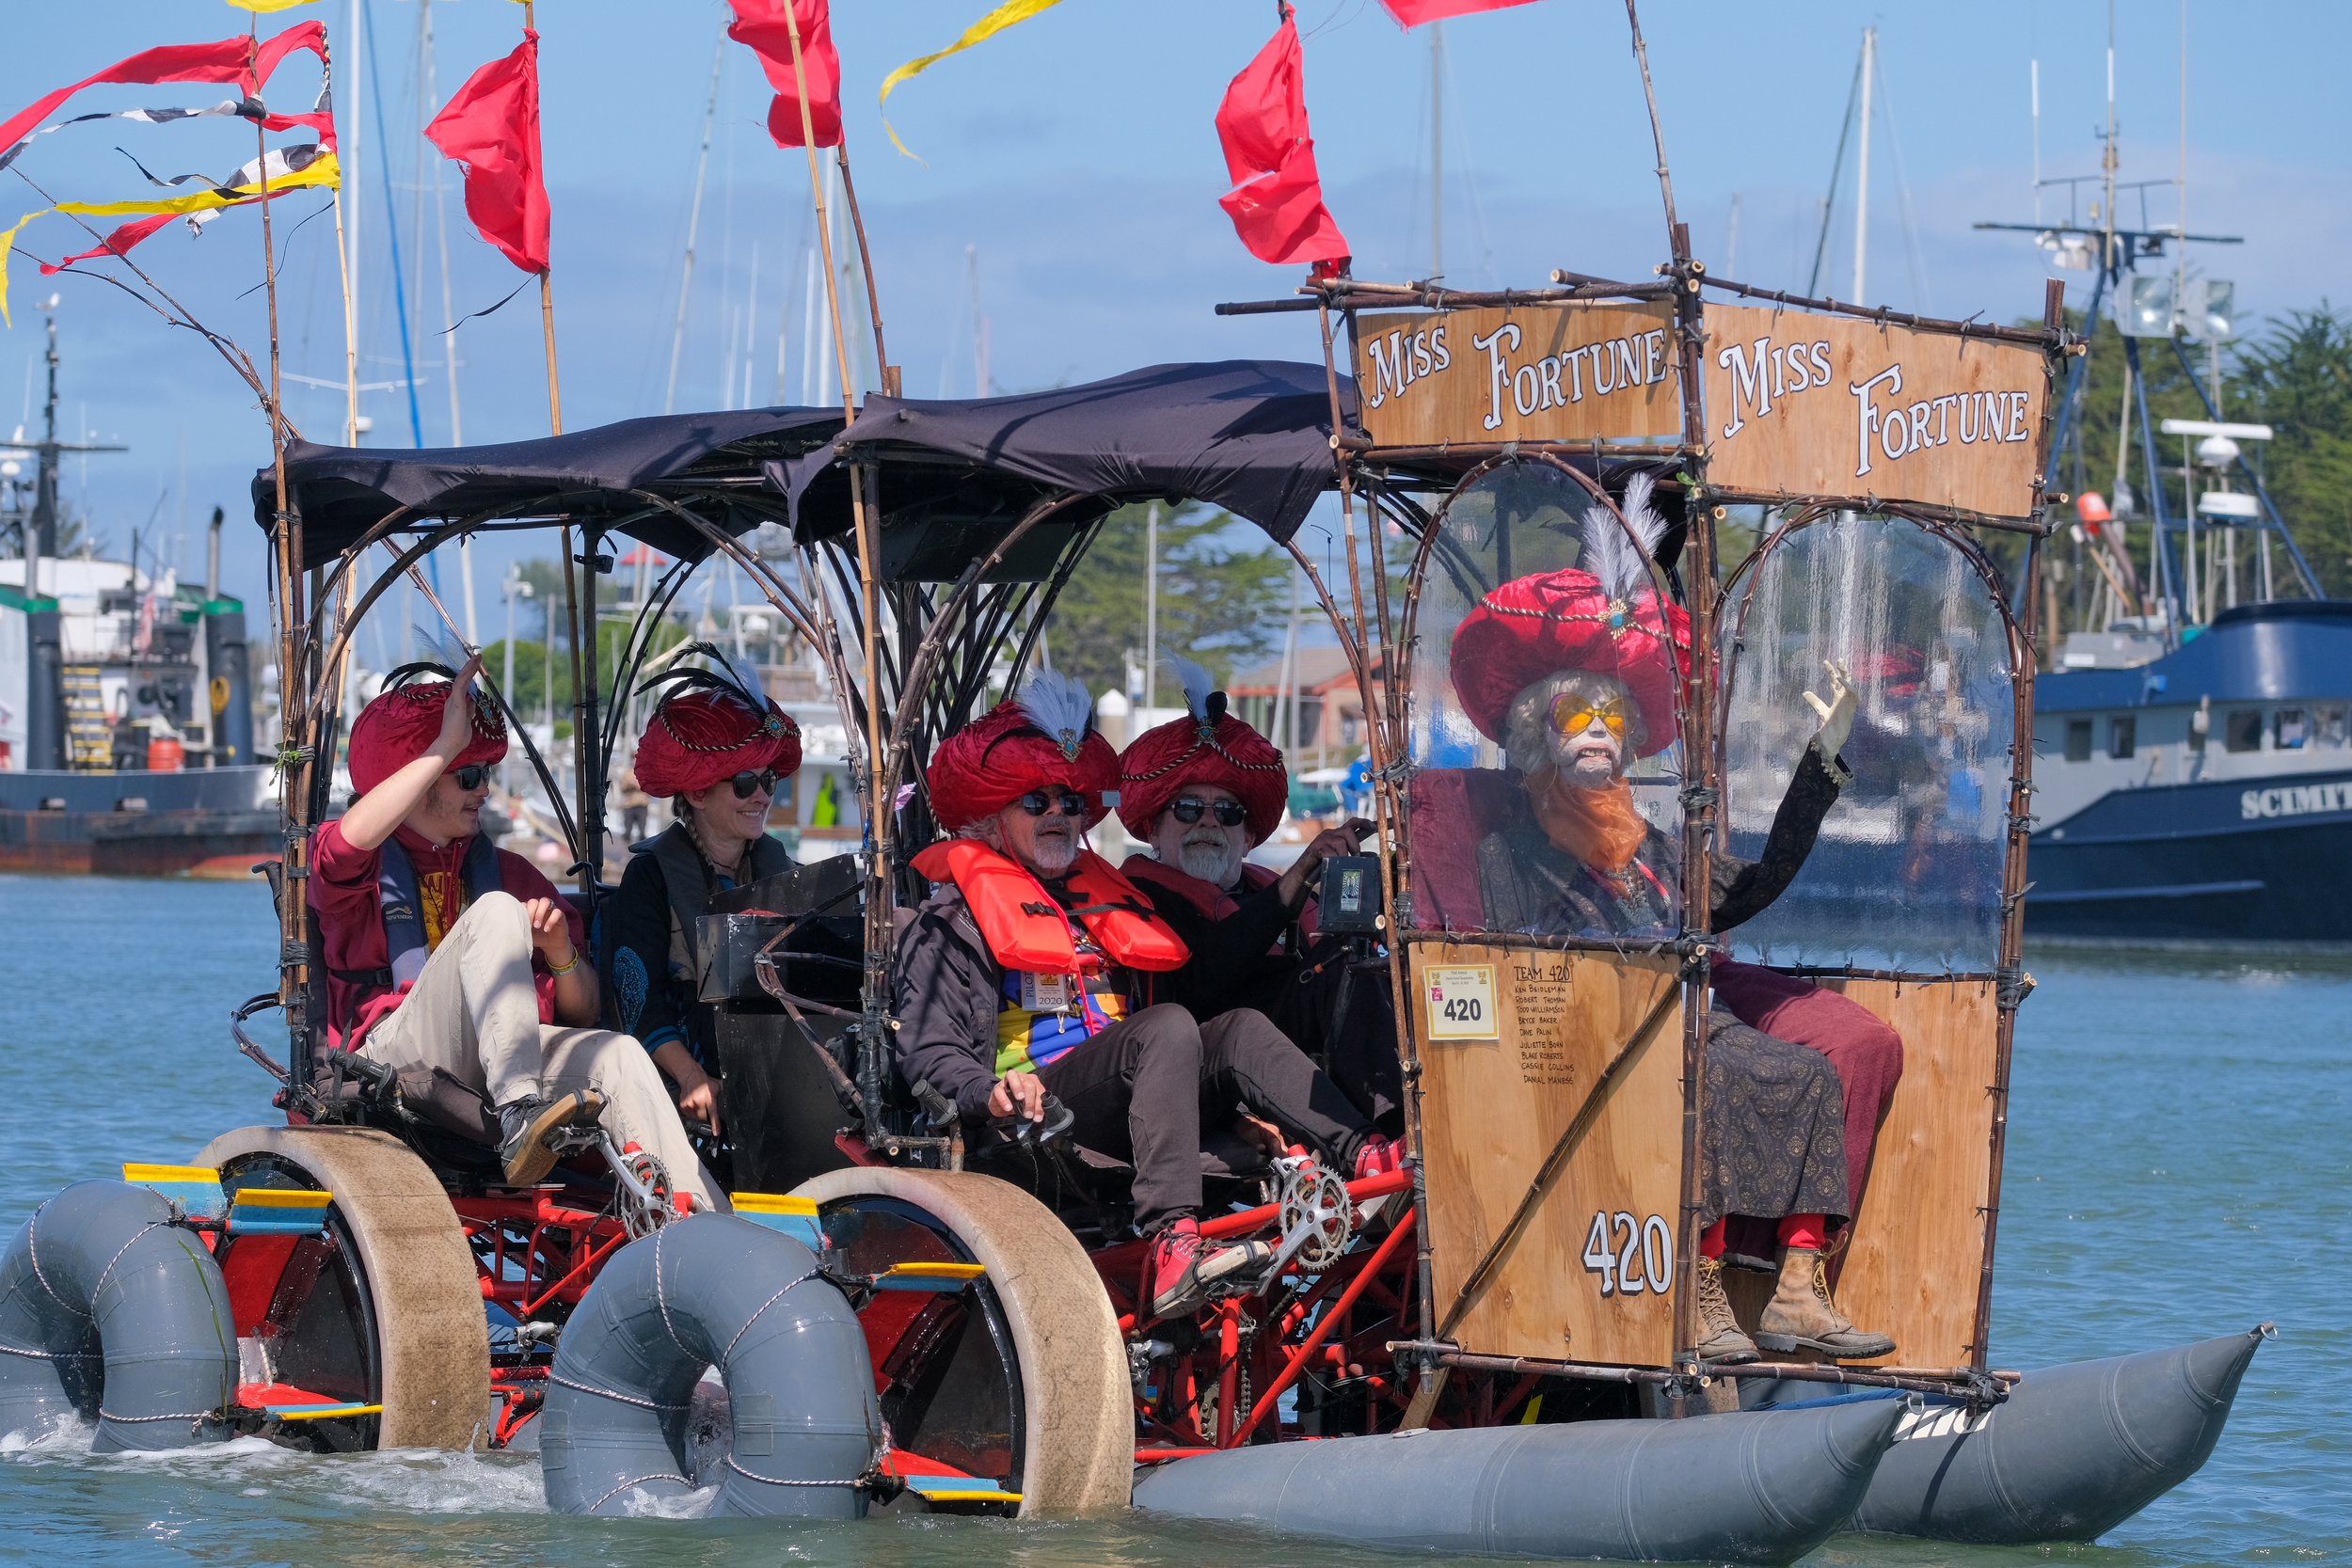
1600	827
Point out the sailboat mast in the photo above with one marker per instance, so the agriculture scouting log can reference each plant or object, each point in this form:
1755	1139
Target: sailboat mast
1862	171
693	224
1437	149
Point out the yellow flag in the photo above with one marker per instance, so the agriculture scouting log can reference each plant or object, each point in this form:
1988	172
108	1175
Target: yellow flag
322	170
986	27
266	6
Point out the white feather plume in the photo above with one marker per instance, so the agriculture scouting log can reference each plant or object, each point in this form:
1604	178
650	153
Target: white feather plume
1621	559
1057	704
440	647
1194	679
743	678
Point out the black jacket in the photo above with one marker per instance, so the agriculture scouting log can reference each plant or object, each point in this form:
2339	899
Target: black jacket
946	997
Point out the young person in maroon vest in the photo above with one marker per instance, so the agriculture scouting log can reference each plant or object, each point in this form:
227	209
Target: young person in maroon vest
717	747
443	950
1202	791
1033	969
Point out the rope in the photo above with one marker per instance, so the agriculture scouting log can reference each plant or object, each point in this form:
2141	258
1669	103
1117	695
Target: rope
637	1481
50	1354
99	1288
105	1414
763	1307
661	1298
772	1481
608	1394
32	1250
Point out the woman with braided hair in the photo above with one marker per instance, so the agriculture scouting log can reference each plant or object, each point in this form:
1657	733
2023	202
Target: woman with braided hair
717	747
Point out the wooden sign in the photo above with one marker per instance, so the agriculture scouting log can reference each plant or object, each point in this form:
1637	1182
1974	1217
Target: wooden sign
1805	405
1590	1276
1530	372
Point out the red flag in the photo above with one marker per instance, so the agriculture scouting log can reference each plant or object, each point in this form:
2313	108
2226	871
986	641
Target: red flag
1277	199
1412	13
491	129
765	27
231	60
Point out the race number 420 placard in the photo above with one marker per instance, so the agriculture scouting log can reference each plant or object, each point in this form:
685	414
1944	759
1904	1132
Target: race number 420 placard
1460	1001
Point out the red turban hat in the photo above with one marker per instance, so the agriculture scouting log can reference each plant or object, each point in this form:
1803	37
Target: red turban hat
1609	620
394	730
714	724
1208	746
1042	740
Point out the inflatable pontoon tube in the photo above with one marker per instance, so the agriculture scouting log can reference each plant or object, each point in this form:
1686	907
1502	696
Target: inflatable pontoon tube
2074	1451
1752	1487
711	1291
107	1309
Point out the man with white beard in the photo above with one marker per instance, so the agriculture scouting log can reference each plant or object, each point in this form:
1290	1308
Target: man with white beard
1202	791
1033	968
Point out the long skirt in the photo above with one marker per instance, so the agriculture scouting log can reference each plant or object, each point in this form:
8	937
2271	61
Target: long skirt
1775	1139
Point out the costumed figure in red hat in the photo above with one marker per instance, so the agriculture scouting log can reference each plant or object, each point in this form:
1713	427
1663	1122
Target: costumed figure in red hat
1032	971
1575	672
1201	792
717	747
446	953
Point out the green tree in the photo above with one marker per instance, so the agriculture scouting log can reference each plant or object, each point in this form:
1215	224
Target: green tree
1223	595
2298	379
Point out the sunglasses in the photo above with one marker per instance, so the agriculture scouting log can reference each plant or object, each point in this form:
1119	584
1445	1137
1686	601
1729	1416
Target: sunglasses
1039	802
748	784
1188	809
1573	715
472	775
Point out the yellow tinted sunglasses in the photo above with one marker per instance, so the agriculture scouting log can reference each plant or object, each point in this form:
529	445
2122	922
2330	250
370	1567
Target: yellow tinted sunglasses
1574	715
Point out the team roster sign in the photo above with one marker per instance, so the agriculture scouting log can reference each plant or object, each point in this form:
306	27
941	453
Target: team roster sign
1800	404
1569	371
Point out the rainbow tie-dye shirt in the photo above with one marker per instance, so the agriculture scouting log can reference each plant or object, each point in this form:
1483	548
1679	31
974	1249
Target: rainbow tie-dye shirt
1039	1017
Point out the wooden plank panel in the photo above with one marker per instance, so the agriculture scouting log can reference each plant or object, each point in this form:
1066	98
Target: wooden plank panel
1918	1245
1530	372
1492	1108
1803	404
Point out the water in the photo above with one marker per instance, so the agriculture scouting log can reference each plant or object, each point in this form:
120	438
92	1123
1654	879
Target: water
2178	1168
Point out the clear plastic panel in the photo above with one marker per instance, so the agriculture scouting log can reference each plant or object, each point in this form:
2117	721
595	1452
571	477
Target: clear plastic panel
1906	873
1513	584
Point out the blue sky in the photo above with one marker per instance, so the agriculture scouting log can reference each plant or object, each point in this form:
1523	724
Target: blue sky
1071	166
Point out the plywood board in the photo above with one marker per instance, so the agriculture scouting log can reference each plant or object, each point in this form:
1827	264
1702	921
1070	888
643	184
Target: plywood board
1911	1268
1805	405
1493	1107
1530	372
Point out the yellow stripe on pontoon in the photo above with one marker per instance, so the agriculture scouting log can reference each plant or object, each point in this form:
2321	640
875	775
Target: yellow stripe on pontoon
283	1197
773	1203
936	1271
137	1174
327	1411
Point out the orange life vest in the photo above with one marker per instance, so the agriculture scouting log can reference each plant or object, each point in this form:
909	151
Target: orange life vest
1026	928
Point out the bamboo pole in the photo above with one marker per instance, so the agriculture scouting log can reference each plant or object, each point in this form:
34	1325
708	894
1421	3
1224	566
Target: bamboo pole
293	768
879	790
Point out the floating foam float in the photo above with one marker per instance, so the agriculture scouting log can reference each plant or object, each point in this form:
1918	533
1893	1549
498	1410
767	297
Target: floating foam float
1763	1486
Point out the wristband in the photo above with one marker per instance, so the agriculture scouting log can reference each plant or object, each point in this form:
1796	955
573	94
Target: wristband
559	970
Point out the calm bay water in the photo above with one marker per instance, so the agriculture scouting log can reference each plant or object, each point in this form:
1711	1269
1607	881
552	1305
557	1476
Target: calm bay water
2179	1167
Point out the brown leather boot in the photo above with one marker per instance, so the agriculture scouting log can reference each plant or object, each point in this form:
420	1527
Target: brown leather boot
1801	1314
1721	1338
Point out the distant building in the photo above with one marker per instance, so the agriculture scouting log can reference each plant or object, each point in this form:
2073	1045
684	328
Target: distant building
1330	707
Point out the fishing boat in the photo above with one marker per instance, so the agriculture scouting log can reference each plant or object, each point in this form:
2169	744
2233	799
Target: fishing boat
2194	767
126	701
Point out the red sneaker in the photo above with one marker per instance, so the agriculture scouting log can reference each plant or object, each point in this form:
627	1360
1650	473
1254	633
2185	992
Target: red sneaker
1379	1156
1178	1274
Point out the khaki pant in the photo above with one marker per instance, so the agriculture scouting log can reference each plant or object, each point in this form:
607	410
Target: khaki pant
473	1013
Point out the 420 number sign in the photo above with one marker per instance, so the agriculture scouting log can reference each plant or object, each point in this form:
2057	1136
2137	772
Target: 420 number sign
1631	1255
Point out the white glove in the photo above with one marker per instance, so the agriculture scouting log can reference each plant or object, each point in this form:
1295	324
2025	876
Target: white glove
1837	714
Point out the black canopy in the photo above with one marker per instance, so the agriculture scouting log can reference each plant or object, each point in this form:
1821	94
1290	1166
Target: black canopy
1250	436
342	491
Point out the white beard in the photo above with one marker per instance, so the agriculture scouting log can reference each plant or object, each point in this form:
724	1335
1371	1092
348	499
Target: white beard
1054	856
1217	864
